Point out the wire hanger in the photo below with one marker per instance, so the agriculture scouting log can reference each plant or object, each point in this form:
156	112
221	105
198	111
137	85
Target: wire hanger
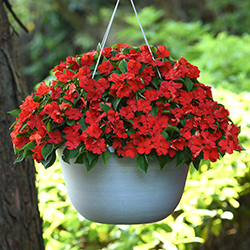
108	30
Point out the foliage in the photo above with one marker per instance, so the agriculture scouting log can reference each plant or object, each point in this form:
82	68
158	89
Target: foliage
231	15
179	36
140	102
211	197
222	58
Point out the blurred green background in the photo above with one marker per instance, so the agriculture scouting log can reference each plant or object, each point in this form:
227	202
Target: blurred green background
214	35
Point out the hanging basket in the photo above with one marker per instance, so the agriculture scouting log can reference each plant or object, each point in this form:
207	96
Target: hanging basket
121	193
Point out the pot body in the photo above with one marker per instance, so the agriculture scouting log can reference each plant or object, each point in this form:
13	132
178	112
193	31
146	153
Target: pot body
121	193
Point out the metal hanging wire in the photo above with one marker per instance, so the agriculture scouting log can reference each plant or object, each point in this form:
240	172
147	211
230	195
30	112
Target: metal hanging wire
108	30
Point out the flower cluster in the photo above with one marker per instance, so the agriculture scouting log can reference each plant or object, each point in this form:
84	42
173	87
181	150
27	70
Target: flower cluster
138	105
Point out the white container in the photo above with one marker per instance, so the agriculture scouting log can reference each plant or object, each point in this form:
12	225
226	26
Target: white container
121	193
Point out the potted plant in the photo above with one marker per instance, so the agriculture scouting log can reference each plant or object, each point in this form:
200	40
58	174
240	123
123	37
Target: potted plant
141	108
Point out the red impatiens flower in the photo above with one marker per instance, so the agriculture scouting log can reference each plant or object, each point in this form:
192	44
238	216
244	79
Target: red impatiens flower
42	89
87	59
105	67
97	146
210	153
72	141
55	137
144	105
139	102
162	52
86	83
134	66
161	145
19	142
38	152
35	121
130	150
127	112
73	113
94	130
144	146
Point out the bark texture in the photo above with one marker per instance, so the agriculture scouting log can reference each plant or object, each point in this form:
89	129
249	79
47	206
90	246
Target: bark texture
20	222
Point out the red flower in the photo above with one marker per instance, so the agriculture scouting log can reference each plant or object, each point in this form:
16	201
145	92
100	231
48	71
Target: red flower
83	71
134	66
102	84
144	105
73	113
162	52
185	97
127	112
86	83
42	89
87	59
19	142
29	104
94	130
107	52
151	94
72	141
38	135
105	67
35	121
195	144
169	87
210	153
55	137
38	152
97	146
130	150
55	92
161	145
144	146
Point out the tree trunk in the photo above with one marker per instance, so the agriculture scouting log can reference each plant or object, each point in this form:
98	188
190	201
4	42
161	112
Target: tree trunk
20	222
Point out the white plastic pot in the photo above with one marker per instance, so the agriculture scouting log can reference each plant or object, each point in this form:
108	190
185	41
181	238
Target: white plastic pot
121	193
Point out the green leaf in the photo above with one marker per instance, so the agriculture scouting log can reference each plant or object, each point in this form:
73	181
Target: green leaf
188	83
70	122
197	161
166	111
65	155
126	50
71	153
98	48
91	156
49	161
171	129
20	156
106	156
116	102
83	124
13	124
164	159
123	66
165	135
155	81
47	150
15	112
74	153
181	158
80	158
154	111
48	126
88	165
142	162
105	107
29	146
23	126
